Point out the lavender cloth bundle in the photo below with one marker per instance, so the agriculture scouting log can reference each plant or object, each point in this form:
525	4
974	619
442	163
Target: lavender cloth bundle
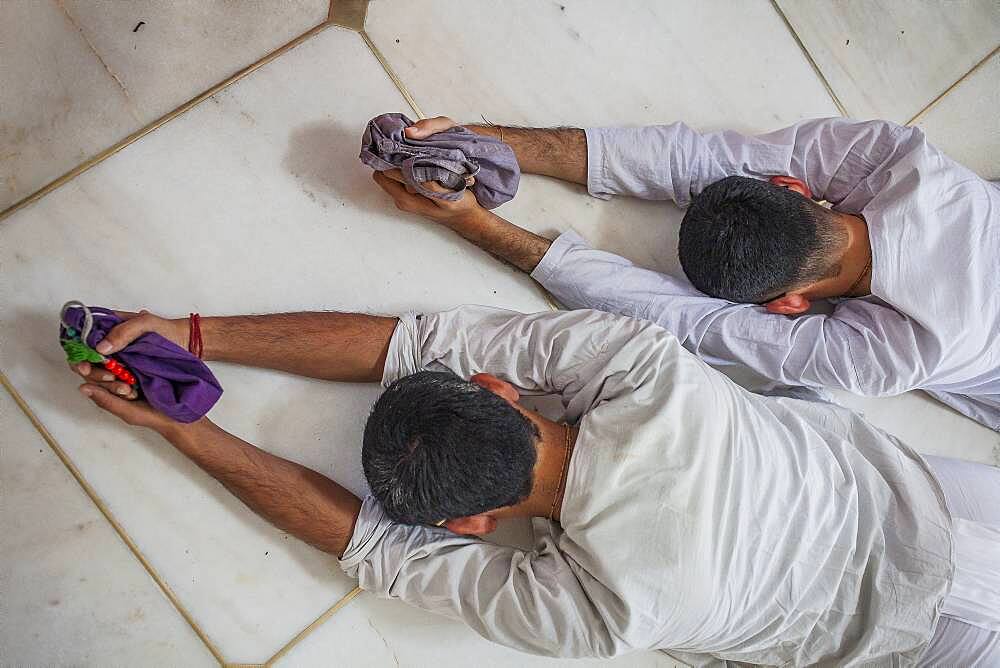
447	157
172	380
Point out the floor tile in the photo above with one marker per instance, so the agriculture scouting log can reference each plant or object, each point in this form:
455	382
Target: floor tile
374	633
588	62
252	202
59	105
87	73
888	59
73	594
966	123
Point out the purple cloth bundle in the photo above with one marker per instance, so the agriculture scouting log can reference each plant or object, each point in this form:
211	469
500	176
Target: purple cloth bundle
172	380
447	157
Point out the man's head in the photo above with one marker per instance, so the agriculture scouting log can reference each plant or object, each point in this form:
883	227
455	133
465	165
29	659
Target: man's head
755	241
439	447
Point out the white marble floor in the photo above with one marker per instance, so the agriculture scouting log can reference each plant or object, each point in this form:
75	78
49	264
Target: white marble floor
254	201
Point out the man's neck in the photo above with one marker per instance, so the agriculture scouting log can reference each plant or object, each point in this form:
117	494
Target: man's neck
555	449
855	276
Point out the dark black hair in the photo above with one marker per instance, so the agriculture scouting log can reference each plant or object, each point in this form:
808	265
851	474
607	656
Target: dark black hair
439	447
748	240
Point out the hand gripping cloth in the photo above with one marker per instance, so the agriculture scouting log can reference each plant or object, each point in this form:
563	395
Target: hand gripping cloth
448	157
171	379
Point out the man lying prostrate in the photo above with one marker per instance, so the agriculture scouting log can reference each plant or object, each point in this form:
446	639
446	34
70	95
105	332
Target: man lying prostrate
673	509
910	248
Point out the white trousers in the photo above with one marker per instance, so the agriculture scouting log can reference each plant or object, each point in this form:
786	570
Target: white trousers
968	632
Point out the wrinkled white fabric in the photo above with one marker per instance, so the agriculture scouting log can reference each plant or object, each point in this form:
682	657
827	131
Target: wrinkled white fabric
972	492
698	518
933	318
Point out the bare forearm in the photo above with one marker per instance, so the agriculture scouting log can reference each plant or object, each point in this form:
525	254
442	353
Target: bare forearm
503	239
292	497
331	346
557	152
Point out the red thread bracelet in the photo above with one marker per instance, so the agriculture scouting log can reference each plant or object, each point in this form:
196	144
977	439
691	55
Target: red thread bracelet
195	345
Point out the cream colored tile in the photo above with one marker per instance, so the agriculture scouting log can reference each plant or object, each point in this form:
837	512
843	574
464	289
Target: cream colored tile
589	62
374	633
79	76
966	122
73	594
59	105
889	58
164	53
252	202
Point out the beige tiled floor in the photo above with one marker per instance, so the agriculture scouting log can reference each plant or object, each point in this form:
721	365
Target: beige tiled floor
73	593
89	72
254	201
889	58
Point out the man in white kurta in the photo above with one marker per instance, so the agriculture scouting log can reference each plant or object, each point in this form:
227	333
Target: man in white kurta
931	320
698	518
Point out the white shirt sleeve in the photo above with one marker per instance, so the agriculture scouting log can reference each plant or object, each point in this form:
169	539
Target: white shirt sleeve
834	157
570	354
538	601
533	601
864	347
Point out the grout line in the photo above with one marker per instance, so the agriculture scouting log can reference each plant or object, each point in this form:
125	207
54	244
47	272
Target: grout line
92	493
930	105
347	598
392	75
812	63
350	14
162	120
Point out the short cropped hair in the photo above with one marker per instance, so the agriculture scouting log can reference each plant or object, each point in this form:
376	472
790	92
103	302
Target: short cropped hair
751	241
440	447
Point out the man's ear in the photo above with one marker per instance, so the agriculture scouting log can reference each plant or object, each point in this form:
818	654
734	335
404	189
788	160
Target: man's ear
501	388
476	525
791	304
793	183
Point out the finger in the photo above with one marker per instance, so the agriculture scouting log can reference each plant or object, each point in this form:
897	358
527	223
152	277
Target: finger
428	126
436	187
391	186
120	389
107	401
395	175
124	333
404	200
91	372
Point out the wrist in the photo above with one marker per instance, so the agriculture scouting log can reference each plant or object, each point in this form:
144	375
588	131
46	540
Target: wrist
181	332
485	130
183	435
470	222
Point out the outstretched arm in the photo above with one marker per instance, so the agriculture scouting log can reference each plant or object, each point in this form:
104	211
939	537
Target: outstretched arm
332	346
495	235
864	347
298	500
557	152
